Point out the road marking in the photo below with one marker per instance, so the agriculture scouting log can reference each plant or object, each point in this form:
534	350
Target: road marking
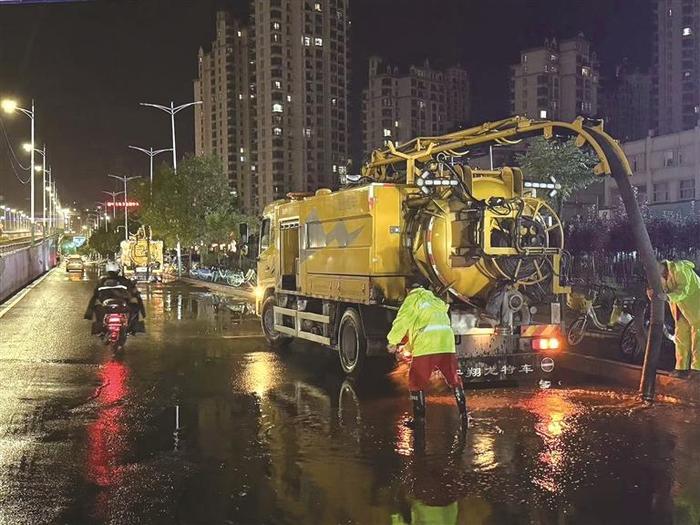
4	308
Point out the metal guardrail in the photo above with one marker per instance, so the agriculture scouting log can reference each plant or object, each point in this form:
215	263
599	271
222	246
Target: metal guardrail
14	246
15	234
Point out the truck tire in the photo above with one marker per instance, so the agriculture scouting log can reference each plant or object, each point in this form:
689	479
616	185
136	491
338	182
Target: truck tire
267	320
352	343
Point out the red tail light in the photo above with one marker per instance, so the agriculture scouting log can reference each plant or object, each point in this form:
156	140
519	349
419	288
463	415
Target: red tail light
114	320
546	343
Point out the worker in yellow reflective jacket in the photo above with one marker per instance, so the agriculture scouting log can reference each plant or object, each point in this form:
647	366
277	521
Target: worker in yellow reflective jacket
423	319
682	287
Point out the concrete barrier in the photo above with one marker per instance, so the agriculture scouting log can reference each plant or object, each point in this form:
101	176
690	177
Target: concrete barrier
20	267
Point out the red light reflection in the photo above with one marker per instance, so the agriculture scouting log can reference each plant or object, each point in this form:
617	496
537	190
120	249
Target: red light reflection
106	445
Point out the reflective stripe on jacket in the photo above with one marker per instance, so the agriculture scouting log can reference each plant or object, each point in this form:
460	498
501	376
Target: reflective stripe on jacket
423	316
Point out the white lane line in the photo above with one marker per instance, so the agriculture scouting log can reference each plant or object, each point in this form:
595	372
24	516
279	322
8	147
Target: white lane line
4	308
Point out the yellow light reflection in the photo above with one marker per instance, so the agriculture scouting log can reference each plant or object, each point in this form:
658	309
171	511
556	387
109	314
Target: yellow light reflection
554	413
260	373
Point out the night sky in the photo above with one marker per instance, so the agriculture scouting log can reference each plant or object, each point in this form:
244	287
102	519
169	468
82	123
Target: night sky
89	64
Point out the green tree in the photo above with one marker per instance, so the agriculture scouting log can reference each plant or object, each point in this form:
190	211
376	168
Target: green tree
192	206
571	166
105	243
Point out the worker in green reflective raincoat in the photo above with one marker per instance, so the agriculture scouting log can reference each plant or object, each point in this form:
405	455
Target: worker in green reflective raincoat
423	319
682	287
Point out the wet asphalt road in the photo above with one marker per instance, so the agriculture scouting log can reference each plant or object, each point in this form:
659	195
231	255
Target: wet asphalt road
199	423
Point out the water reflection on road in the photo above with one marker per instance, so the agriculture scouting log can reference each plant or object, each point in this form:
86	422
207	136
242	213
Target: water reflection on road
285	439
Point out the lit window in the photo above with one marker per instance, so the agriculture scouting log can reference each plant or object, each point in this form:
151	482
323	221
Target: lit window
318	42
586	71
278	84
307	132
277	131
277	108
275	25
387	132
687	31
334	101
307	40
543	113
335	168
242	150
242	158
289	98
239	34
240	96
317	6
396	123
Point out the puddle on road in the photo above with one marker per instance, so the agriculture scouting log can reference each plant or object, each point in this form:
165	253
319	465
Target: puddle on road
280	439
195	312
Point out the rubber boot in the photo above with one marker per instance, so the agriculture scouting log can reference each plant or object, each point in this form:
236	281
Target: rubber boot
418	402
461	403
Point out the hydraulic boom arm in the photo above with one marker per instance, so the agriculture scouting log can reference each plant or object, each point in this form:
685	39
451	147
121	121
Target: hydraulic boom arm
384	164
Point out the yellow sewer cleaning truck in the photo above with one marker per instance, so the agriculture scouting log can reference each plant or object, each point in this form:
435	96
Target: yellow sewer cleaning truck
332	265
142	257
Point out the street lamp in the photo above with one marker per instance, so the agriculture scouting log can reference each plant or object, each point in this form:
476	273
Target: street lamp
126	208
151	153
10	106
172	110
114	201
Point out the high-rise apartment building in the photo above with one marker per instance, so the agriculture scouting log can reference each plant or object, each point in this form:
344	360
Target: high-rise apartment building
400	106
223	72
627	108
675	60
557	81
288	73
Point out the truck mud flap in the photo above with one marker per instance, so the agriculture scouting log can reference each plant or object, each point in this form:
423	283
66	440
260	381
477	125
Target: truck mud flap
534	367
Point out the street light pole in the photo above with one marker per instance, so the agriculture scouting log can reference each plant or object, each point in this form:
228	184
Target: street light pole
152	153
10	106
126	211
172	110
114	201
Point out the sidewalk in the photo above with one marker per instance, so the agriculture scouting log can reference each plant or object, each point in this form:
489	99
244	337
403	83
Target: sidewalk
244	292
627	375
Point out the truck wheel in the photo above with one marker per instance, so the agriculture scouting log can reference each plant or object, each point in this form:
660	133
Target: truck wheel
267	318
352	343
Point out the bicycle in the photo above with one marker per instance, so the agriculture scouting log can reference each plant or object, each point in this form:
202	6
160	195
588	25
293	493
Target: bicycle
588	323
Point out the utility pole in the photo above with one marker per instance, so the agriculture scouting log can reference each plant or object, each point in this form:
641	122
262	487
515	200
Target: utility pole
126	211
